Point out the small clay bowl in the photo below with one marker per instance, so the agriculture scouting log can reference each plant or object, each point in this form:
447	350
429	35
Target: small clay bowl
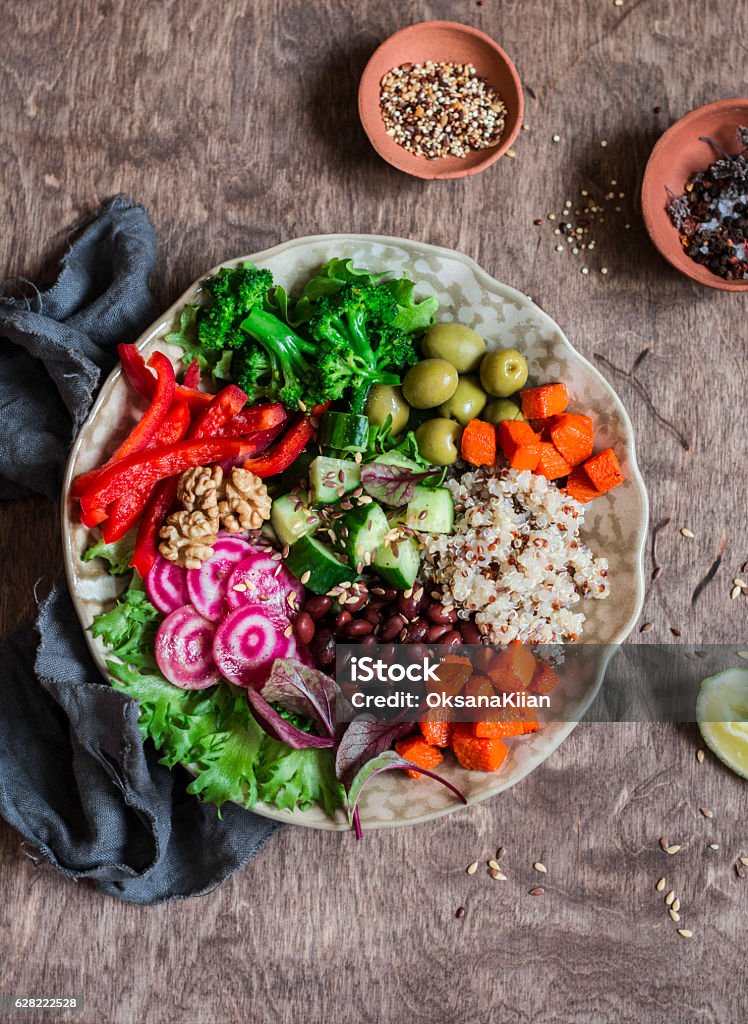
677	156
440	41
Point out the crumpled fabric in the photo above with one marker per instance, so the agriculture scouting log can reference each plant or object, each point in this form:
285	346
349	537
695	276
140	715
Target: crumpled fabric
76	779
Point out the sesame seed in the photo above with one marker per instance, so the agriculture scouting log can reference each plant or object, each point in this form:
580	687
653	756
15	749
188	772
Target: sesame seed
498	876
603	270
674	915
538	891
660	884
706	812
555	138
744	861
685	933
669	898
700	756
493	865
603	143
674	848
540	867
735	592
472	867
714	846
685	532
305	577
676	905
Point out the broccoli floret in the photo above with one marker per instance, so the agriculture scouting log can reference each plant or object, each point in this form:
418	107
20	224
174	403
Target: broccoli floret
278	365
234	291
357	342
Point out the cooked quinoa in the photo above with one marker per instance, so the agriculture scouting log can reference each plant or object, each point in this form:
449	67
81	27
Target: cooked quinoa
516	558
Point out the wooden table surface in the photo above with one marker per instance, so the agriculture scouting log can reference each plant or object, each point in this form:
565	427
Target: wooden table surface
235	124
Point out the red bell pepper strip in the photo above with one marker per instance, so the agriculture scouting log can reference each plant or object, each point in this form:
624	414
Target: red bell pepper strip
226	404
147	468
124	513
257	417
147	427
143	381
162	499
191	377
285	452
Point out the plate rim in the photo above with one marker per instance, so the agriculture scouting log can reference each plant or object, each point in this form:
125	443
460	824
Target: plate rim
335	824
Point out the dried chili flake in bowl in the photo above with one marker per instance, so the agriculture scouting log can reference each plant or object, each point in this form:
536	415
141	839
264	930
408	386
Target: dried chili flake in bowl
439	109
711	216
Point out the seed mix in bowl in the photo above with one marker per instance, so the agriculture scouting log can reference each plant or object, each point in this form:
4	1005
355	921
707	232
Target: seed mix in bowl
515	558
441	109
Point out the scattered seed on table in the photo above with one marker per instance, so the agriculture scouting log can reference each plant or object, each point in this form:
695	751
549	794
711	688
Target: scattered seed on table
460	912
669	898
735	592
675	631
472	868
685	933
685	532
674	915
674	848
714	846
539	866
603	270
706	812
740	870
493	865
603	143
738	582
676	904
743	655
646	627
500	853
498	876
700	756
660	884
744	861
538	891
555	138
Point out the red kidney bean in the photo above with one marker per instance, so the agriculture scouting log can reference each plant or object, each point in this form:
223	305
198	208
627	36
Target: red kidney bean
369	640
436	632
342	619
372	615
453	639
304	627
355	604
440	615
323	646
358	627
417	631
407	606
416	653
470	632
387	594
391	627
318	606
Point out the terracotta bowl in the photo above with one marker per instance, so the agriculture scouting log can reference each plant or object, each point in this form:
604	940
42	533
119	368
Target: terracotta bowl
678	155
440	41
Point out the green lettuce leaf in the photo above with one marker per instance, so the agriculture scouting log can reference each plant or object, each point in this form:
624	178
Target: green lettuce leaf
129	629
185	336
412	316
118	555
298	778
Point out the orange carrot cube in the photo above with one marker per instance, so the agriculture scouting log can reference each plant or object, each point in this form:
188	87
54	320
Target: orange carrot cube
547	400
519	443
579	486
417	750
604	471
544	679
436	733
476	754
478	445
512	669
551	464
572	435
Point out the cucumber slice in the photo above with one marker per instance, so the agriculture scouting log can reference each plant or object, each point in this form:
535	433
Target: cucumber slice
366	526
399	570
345	431
431	510
292	520
325	569
330	479
722	714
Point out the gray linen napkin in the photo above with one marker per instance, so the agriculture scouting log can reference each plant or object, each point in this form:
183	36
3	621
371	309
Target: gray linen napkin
76	779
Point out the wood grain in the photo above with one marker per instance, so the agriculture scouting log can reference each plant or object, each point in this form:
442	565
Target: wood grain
235	124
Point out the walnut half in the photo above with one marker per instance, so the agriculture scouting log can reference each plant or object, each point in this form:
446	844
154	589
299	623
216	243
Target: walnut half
246	504
200	490
187	539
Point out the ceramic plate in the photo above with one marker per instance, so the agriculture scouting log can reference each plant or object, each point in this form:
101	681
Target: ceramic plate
615	525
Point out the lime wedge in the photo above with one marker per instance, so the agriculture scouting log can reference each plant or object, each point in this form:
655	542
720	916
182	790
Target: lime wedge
722	714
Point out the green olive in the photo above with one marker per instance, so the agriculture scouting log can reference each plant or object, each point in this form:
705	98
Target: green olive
439	441
459	345
429	383
384	401
466	403
501	409
503	373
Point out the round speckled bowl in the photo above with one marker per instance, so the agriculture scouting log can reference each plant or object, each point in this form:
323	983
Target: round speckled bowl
615	525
